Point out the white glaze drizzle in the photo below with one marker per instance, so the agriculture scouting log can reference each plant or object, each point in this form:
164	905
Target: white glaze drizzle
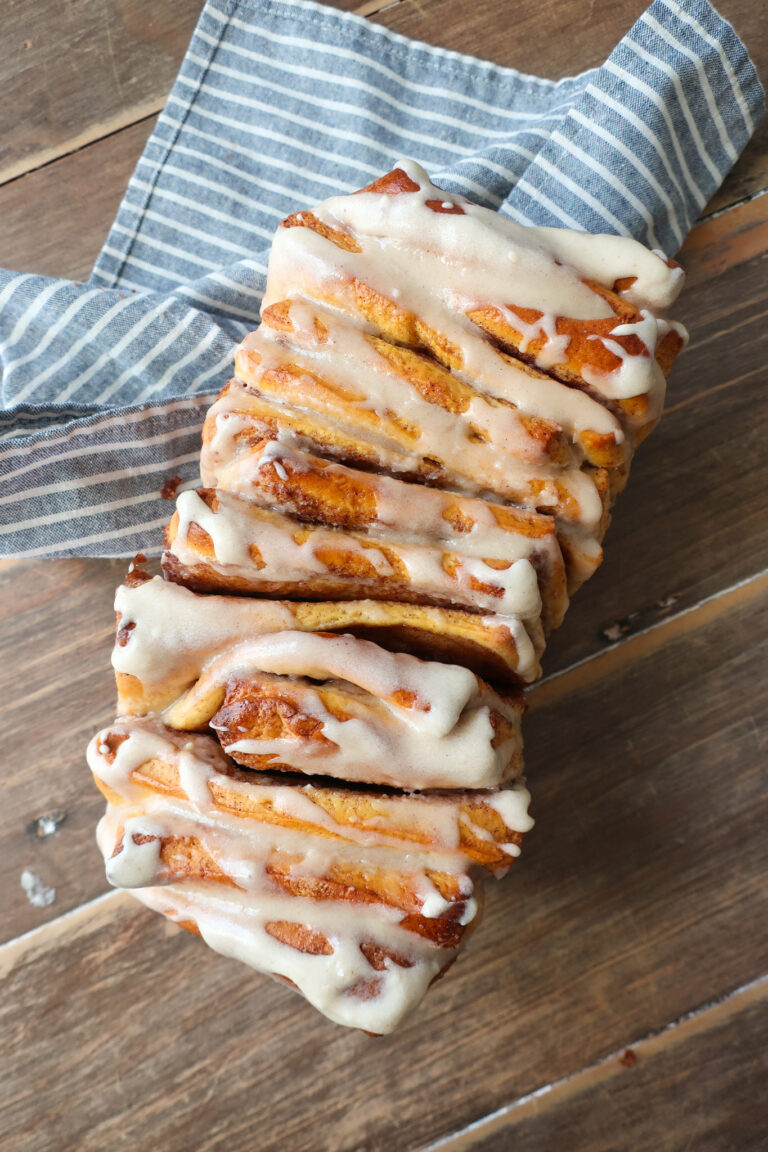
235	922
168	633
431	512
545	328
509	460
235	928
441	691
443	265
444	739
236	421
137	863
290	555
348	357
172	634
236	427
199	759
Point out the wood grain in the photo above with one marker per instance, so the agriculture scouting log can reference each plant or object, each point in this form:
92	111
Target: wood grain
78	74
554	38
694	1085
562	37
749	176
75	72
639	899
57	622
75	201
77	198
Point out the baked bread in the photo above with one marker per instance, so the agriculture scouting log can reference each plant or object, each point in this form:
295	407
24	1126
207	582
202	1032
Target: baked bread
319	752
359	899
287	479
219	542
166	635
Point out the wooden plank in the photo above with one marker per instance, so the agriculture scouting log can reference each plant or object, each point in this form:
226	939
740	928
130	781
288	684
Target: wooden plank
75	72
697	1084
749	176
76	224
622	948
640	897
717	247
56	620
73	75
56	219
530	43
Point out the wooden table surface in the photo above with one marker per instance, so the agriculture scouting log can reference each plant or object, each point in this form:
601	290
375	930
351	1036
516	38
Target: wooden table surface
616	996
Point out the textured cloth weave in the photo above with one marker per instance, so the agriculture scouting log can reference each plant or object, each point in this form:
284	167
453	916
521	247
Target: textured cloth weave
278	105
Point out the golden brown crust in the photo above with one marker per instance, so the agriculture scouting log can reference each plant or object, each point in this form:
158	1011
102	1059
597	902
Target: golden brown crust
263	709
349	576
586	353
434	382
336	434
341	810
318	495
392	183
259	417
483	644
350	884
347	571
312	490
300	937
336	236
186	858
448	635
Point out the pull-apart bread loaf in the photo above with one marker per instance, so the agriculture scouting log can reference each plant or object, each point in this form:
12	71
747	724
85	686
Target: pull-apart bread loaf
318	752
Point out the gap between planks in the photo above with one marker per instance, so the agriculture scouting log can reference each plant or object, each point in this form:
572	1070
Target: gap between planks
678	1031
134	115
128	118
726	207
373	7
83	140
89	916
645	640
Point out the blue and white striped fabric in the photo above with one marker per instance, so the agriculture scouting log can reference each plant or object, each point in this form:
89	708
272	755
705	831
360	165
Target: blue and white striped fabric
278	105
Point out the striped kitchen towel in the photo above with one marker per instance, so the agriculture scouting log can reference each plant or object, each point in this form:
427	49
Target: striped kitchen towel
280	104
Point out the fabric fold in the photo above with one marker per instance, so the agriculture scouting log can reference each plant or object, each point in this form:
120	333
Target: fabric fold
279	104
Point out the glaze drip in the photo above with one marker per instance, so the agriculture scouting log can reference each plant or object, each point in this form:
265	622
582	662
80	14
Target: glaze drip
363	889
